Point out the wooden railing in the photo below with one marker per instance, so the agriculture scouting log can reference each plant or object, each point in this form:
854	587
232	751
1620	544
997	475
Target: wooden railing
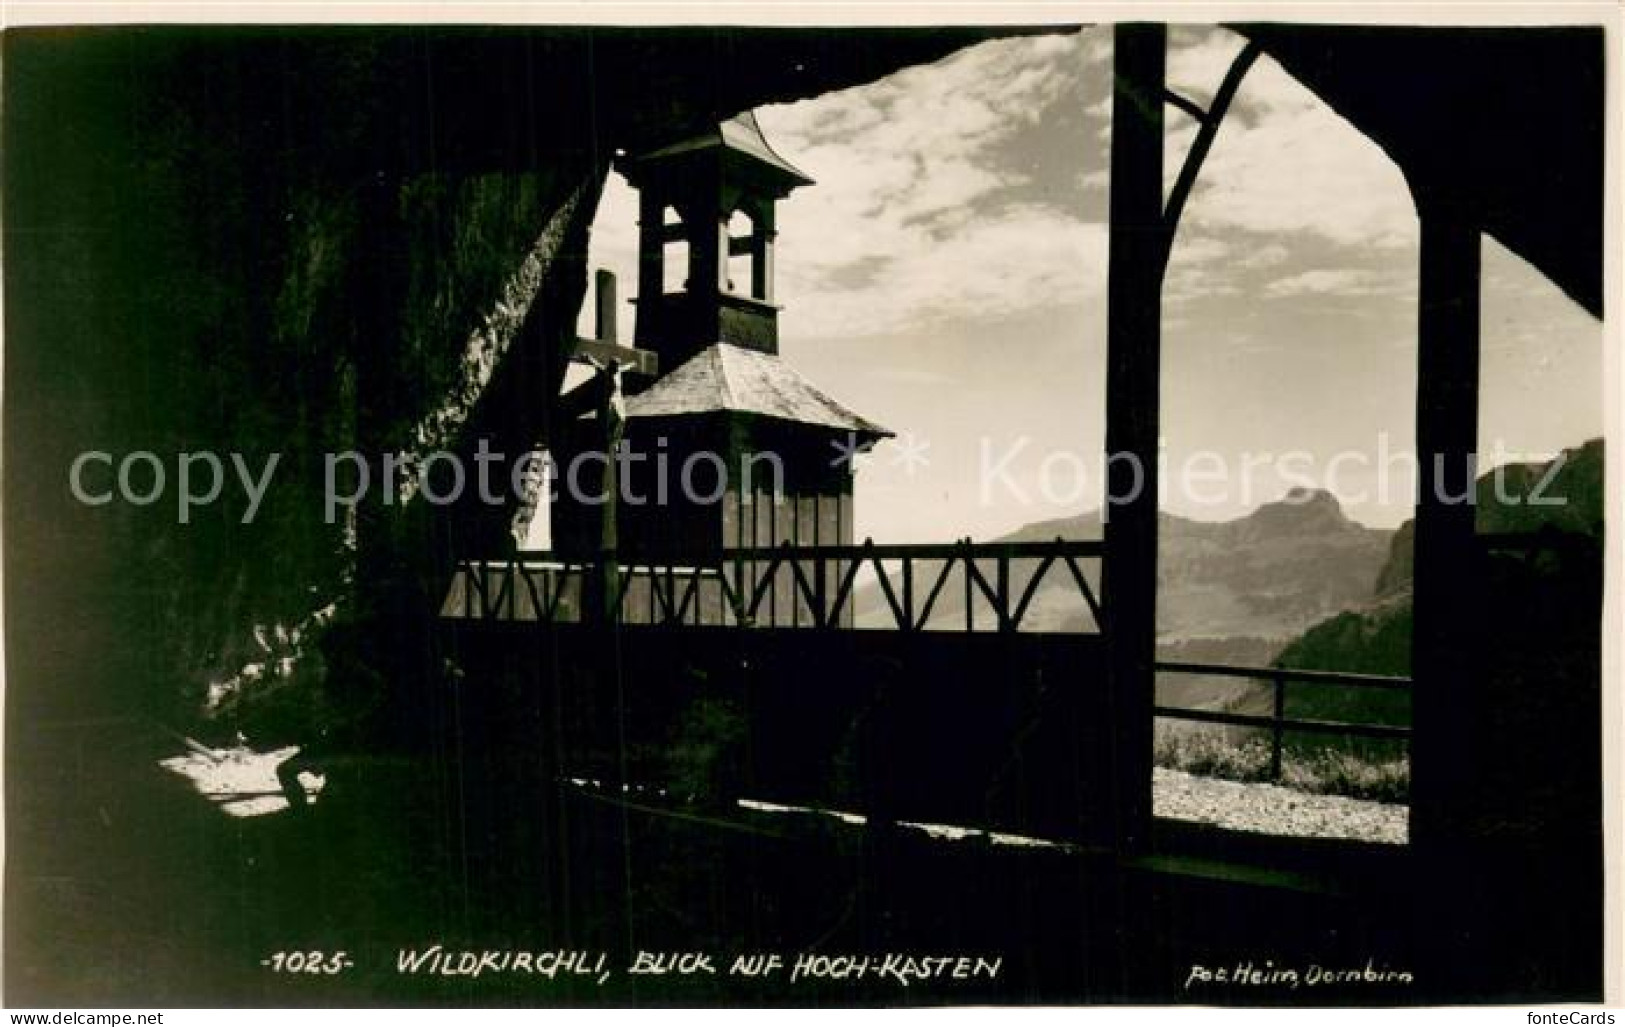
955	586
1278	723
1527	544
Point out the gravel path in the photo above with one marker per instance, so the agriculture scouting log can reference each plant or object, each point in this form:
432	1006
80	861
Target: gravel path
1271	809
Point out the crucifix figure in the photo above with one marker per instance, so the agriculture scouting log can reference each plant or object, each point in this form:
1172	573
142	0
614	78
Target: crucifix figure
603	394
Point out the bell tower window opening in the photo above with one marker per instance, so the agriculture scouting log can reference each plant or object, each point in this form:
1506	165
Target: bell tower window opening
674	253
742	275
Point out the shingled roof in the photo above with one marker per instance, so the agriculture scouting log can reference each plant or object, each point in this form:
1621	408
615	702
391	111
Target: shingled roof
740	135
730	378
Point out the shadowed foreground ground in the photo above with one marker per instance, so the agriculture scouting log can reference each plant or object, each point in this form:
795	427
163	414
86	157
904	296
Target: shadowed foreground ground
127	887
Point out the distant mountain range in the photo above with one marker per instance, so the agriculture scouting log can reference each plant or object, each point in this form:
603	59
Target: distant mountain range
1373	636
1295	581
1264	577
1576	481
1228	591
1260	579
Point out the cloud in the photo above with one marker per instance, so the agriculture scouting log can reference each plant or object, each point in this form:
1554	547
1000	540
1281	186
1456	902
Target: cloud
1024	258
1201	249
1283	163
1284	166
1198	58
1343	282
953	198
1200	267
917	216
929	207
1189	284
1265	256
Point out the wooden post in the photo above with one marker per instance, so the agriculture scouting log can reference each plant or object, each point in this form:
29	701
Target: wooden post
604	309
1133	369
763	233
1445	561
1002	568
1276	731
908	593
607	354
606	603
707	230
651	255
970	605
603	604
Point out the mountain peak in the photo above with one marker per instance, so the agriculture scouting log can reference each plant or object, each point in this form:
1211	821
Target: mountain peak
1298	496
1301	512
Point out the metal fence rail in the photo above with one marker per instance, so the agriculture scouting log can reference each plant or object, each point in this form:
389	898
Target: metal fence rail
1278	723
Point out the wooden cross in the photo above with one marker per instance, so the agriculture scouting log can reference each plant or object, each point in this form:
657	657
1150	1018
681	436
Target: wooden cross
610	358
605	350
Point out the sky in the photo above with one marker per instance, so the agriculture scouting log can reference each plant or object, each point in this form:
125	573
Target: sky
946	278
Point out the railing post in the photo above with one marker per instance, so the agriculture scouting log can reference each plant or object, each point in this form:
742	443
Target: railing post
970	608
1003	588
821	617
738	603
1276	730
508	605
908	593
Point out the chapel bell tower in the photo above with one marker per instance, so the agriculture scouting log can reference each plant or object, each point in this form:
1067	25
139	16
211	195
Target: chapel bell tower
705	240
746	452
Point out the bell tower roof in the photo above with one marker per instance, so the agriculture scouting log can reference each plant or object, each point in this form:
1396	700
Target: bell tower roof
740	144
729	379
